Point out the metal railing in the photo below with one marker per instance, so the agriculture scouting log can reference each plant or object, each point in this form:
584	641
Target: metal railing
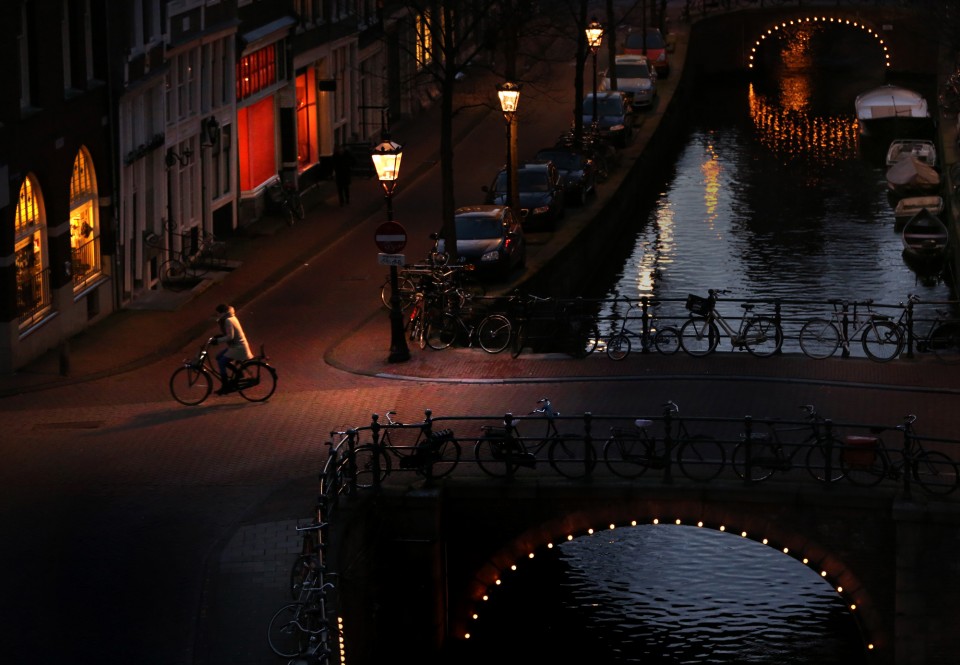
85	262
33	296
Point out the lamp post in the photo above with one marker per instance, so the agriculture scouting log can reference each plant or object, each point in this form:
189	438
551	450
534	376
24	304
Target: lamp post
386	160
594	36
509	94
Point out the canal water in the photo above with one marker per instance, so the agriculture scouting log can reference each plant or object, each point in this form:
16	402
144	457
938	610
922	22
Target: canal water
773	194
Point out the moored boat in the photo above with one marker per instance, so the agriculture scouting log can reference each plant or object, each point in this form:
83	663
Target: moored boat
891	107
922	149
909	206
910	176
925	237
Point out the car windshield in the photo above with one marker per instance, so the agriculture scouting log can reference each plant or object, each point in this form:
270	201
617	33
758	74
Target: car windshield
632	71
605	106
654	40
476	227
568	161
533	181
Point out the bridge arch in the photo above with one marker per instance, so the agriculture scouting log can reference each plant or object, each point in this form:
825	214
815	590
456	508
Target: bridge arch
789	27
502	566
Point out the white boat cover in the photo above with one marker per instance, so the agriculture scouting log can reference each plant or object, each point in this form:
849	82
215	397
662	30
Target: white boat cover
911	172
890	101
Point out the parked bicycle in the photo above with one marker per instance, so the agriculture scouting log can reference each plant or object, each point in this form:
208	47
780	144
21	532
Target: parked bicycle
866	461
434	454
301	629
287	197
630	454
759	455
501	451
199	252
254	379
554	325
700	334
880	338
308	565
942	338
491	332
666	339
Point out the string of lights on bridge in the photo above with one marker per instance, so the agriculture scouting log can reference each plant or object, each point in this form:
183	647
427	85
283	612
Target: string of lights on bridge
497	579
791	23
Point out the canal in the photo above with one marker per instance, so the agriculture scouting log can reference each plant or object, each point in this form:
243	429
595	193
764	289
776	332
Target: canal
773	194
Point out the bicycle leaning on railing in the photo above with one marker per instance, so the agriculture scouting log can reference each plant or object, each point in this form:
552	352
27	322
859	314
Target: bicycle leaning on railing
666	339
192	383
880	338
700	334
287	197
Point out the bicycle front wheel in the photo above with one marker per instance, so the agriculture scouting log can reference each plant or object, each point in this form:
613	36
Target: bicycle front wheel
700	458
287	634
944	342
173	271
303	573
699	336
571	457
191	385
370	470
257	381
863	465
628	457
498	458
667	340
819	338
936	472
817	458
763	460
762	337
518	341
406	290
882	341
618	347
444	459
493	333
442	332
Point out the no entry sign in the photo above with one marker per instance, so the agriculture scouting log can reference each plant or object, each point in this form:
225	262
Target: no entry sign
391	238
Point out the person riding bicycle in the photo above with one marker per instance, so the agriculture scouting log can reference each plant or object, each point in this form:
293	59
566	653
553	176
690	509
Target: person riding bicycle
236	349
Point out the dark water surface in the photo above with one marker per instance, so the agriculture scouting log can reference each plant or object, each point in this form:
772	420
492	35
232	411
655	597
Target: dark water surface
774	194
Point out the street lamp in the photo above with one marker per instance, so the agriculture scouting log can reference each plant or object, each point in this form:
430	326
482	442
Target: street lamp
594	36
509	94
386	160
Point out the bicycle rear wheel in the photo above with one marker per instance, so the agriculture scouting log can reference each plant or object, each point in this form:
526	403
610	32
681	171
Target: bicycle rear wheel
699	336
191	385
764	459
936	472
444	459
442	332
173	271
944	342
498	458
882	341
571	456
406	290
257	381
288	633
762	337
303	573
700	458
518	341
817	460
628	457
819	338
667	340
493	333
618	347
862	463
371	471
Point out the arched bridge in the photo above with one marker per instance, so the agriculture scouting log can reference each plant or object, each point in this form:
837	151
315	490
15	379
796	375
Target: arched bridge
904	38
412	548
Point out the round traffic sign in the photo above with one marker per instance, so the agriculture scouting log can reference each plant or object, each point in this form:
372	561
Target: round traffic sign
391	237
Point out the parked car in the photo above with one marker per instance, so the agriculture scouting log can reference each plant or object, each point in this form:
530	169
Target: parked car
635	77
614	116
540	194
490	238
578	170
651	44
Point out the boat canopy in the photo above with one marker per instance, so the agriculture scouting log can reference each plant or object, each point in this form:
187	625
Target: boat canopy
890	101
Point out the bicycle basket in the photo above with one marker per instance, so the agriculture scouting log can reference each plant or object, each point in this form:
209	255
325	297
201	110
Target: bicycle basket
859	451
698	305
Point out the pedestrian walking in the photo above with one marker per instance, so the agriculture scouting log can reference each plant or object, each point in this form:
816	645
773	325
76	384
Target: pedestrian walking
342	173
236	349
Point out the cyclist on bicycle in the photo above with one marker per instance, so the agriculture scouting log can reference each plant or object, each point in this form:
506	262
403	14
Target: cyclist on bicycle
236	349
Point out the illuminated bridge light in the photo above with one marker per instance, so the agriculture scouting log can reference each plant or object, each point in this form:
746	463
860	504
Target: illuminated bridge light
678	522
723	528
700	524
839	589
475	616
613	526
633	522
570	537
531	555
590	531
656	521
513	567
466	636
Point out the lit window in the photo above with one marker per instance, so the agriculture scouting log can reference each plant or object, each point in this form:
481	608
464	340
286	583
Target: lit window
84	222
33	275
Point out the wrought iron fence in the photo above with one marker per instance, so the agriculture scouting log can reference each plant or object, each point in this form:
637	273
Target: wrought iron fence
33	296
86	265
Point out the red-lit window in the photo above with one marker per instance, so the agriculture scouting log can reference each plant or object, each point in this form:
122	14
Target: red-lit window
256	71
256	144
306	119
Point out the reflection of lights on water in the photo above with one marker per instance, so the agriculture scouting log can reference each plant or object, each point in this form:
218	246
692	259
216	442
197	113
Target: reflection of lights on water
792	27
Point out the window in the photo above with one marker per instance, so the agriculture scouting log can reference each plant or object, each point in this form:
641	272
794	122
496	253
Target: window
84	222
256	72
33	275
220	162
424	40
307	119
256	141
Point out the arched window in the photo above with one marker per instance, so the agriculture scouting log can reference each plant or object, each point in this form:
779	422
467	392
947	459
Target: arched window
84	222
33	273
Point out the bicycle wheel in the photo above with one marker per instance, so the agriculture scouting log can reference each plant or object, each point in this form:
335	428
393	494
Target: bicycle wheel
173	270
497	457
762	337
628	456
618	347
442	331
667	340
296	206
582	337
882	341
444	458
700	457
257	381
935	472
368	472
191	385
303	573
406	289
287	633
571	456
944	342
493	333
862	462
518	341
699	336
765	458
817	460
819	338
